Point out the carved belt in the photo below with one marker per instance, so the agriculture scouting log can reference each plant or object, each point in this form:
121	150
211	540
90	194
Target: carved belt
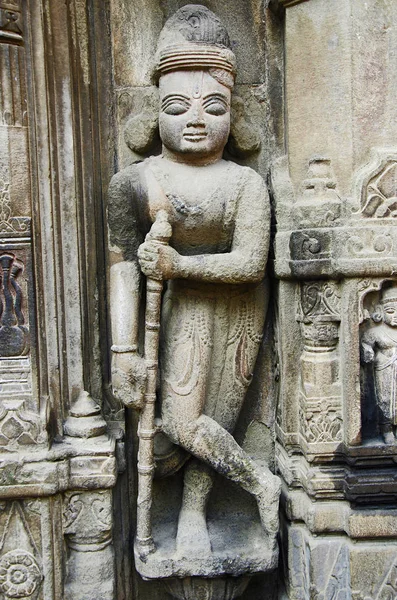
210	290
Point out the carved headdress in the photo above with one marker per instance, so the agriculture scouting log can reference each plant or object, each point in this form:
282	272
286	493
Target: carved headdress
194	38
389	293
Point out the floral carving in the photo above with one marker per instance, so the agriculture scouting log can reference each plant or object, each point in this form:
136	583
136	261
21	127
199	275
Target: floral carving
320	333
72	510
380	196
5	208
324	427
19	574
190	588
361	246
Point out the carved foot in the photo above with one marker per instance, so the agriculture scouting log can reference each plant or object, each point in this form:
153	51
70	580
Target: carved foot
389	438
268	501
192	536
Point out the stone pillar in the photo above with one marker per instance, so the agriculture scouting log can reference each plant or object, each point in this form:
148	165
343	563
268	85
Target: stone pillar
320	409
335	261
88	531
51	298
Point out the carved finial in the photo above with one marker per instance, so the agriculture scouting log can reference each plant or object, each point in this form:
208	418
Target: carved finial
85	419
319	203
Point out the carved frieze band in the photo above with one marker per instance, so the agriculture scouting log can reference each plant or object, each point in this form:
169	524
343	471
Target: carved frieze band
11	225
337	252
11	22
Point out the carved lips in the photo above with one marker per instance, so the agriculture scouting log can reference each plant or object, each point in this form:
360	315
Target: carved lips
194	136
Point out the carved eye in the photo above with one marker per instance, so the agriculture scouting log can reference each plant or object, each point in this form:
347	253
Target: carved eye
216	108
175	109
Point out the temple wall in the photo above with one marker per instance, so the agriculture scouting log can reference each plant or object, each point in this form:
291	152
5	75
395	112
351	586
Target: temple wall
316	91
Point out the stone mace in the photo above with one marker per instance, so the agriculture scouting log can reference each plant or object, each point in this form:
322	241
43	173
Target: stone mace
161	233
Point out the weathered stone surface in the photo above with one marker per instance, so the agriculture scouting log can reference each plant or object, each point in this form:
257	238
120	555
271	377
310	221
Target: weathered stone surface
206	223
334	255
315	100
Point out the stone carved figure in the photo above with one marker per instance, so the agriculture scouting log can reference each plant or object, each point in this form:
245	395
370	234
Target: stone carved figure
14	335
216	294
379	346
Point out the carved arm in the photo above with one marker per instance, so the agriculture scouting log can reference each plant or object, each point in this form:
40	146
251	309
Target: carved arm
128	368
246	262
367	348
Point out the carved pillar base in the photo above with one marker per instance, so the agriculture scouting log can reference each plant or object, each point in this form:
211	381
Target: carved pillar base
329	566
220	588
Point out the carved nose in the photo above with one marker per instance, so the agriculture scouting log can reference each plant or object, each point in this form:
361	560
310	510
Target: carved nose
196	118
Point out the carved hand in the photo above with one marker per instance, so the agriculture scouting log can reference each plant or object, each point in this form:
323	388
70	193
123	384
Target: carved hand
129	378
367	353
158	260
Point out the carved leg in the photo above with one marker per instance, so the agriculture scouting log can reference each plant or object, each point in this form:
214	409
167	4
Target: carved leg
192	533
211	443
384	385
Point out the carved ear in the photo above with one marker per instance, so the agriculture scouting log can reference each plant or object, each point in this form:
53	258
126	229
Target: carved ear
244	137
377	315
141	130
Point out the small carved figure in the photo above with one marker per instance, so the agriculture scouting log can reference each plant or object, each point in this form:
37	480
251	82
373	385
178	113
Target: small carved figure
216	294
379	346
14	335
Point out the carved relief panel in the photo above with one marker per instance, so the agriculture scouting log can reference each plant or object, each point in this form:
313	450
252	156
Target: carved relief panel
378	345
19	423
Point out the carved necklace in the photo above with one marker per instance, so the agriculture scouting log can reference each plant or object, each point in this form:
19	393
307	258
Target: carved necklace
178	202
